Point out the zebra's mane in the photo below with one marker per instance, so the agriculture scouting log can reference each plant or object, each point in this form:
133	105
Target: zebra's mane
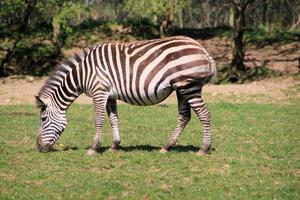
63	69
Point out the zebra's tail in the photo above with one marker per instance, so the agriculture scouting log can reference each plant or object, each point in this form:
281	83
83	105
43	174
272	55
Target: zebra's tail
213	67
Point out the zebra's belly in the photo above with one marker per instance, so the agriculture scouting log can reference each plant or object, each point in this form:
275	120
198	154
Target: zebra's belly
158	96
145	98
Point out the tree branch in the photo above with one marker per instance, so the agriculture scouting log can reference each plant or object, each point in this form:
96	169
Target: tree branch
234	4
248	3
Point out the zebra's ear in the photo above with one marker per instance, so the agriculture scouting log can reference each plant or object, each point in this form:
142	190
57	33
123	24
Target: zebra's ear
39	102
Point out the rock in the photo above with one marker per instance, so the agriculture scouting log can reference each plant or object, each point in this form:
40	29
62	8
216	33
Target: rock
29	79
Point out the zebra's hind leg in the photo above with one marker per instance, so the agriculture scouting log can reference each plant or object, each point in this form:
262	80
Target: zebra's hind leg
99	101
184	117
112	112
199	107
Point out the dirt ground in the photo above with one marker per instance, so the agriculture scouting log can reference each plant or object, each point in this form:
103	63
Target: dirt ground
285	90
282	57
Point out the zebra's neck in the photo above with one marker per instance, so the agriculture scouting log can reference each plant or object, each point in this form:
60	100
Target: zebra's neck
60	94
65	85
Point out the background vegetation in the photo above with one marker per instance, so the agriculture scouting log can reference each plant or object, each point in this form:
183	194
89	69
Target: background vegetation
35	33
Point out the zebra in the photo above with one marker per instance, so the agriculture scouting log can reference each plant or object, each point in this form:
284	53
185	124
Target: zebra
139	73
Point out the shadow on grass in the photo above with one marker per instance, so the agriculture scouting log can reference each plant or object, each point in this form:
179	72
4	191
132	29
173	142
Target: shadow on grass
139	148
129	148
149	148
186	148
68	148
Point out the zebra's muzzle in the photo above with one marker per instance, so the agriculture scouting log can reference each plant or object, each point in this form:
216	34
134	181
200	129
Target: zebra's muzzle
43	147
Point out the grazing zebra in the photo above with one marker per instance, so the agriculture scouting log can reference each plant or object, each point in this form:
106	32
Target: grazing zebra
139	73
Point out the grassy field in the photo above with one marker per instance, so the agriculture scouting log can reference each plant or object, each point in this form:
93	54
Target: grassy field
256	155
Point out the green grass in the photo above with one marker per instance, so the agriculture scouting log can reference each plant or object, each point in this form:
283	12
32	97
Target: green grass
256	155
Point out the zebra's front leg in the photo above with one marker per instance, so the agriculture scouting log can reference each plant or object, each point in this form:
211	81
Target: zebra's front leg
204	115
112	113
183	119
99	110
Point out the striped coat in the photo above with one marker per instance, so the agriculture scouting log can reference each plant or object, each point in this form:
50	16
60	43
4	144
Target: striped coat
139	73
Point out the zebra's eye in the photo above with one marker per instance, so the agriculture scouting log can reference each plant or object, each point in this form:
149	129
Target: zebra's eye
44	118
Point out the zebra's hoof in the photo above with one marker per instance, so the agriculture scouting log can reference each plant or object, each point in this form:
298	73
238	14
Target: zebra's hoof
90	152
113	149
201	153
163	151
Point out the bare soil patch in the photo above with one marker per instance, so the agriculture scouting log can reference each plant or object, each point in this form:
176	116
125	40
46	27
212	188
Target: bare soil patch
282	57
283	90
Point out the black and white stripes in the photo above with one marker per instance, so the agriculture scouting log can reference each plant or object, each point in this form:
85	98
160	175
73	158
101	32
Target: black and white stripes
140	73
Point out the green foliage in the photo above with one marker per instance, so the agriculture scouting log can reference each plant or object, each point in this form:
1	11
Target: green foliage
283	16
11	11
68	16
143	28
37	59
153	10
255	157
33	32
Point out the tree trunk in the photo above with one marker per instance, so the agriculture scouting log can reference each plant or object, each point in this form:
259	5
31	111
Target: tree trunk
29	8
162	29
166	23
231	16
180	16
264	12
237	66
297	24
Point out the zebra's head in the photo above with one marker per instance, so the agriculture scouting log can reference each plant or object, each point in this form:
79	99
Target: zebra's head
52	123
